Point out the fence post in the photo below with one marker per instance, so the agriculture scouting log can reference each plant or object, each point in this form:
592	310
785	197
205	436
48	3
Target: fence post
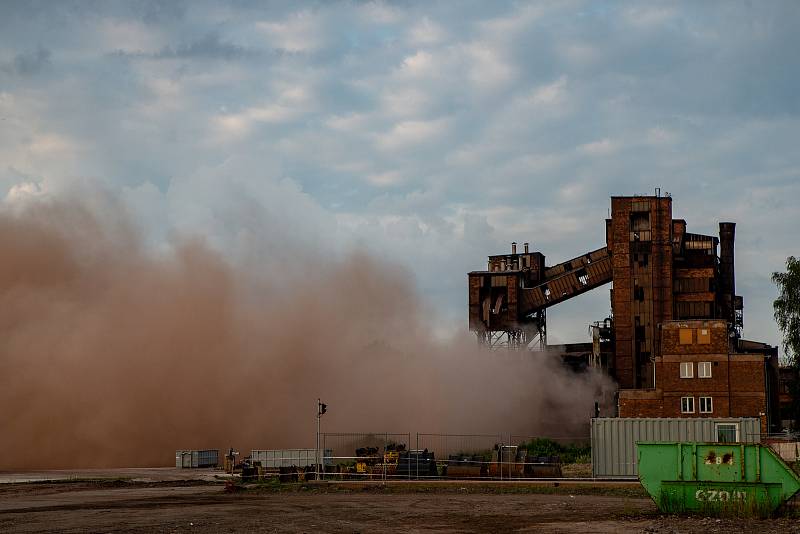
417	459
500	458
408	448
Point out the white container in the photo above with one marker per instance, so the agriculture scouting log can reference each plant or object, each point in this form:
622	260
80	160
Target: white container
614	438
186	459
275	458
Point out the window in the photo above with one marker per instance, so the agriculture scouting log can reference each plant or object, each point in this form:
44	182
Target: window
638	293
704	336
692	285
687	404
688	310
727	432
706	405
685	336
640	226
687	370
640	221
704	369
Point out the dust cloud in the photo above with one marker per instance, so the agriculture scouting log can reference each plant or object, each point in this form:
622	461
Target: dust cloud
113	354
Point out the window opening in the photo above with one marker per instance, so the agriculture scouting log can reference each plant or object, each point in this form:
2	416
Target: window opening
687	370
727	432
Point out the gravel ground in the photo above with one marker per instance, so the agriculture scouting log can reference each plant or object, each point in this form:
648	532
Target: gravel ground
181	506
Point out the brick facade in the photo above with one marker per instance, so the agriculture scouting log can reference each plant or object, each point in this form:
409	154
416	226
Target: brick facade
736	385
639	237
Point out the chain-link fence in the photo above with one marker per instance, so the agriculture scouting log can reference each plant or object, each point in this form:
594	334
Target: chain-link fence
404	456
365	456
398	456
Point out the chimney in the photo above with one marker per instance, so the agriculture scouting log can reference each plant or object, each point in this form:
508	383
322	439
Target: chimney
513	247
525	245
727	234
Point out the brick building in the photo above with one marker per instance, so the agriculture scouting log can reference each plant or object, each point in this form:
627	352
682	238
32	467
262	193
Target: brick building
673	341
701	372
662	272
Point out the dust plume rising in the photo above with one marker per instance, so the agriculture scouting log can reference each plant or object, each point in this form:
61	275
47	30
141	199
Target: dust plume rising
115	355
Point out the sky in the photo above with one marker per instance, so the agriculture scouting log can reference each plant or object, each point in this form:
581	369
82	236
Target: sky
429	134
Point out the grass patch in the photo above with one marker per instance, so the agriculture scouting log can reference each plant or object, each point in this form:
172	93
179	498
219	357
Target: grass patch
553	488
569	454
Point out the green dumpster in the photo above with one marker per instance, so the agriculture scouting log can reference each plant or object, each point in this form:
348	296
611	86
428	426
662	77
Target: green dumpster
738	478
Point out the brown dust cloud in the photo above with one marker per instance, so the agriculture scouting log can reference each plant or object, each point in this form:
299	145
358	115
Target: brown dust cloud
115	355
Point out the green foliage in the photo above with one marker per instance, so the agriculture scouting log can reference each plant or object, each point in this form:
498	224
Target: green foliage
570	454
787	308
486	454
787	315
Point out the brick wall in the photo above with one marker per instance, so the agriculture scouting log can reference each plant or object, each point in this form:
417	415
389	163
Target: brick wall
717	331
654	278
736	385
641	403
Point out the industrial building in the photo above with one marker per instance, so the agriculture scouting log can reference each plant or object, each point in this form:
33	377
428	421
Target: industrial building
674	307
697	374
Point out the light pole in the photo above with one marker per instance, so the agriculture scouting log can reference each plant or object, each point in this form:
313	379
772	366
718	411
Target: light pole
321	409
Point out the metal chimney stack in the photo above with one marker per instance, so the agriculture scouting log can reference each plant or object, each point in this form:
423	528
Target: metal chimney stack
727	235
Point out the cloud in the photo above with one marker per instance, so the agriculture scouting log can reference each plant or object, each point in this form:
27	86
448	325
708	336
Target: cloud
601	147
647	16
385	179
420	64
549	94
209	46
30	63
426	32
299	32
433	133
488	68
407	134
289	103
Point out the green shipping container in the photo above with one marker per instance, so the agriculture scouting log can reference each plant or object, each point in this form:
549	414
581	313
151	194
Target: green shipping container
739	478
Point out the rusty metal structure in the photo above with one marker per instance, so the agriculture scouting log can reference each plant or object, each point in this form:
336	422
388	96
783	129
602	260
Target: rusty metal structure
508	301
660	272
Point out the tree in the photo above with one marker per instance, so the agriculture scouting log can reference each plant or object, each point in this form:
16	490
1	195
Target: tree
787	309
787	314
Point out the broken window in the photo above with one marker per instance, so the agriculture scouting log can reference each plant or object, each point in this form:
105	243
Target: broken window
640	226
638	293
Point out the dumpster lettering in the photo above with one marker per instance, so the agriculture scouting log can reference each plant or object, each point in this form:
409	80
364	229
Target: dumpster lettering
712	458
719	495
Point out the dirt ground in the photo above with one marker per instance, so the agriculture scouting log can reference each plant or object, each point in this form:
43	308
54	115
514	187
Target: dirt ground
196	506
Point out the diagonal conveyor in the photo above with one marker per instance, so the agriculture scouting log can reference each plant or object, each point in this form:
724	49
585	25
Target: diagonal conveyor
566	280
